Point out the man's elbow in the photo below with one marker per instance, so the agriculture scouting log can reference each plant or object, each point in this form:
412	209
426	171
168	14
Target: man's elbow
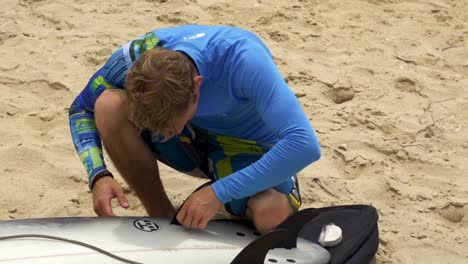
74	107
312	151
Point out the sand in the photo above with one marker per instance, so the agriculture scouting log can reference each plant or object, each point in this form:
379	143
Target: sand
384	83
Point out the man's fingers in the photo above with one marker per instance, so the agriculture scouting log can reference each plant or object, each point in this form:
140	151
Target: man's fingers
203	223
194	221
185	216
97	211
121	197
105	207
188	221
107	211
98	207
199	208
181	215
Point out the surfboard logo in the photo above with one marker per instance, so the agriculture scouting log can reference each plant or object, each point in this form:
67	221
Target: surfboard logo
146	225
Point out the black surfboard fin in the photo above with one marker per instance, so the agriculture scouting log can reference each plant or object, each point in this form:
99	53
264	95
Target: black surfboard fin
255	252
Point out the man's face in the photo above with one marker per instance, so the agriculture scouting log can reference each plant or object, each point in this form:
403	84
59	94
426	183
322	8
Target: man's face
180	122
184	118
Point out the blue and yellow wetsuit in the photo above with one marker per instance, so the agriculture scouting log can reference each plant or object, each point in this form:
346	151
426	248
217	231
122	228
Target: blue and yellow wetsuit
258	133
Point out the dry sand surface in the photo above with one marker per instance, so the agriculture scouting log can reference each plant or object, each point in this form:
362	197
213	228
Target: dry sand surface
384	82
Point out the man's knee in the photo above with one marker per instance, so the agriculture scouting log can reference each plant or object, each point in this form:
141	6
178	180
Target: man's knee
110	112
268	209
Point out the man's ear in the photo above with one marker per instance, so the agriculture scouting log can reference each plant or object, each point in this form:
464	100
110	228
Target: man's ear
197	81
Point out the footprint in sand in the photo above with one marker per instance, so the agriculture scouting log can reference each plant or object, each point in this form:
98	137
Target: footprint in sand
177	18
441	16
278	36
407	85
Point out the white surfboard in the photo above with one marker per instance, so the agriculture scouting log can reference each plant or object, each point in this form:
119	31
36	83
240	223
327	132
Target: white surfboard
144	240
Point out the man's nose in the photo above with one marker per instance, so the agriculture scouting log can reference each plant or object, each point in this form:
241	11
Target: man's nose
179	131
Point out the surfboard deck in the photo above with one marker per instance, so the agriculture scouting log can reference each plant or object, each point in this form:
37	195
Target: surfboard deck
140	239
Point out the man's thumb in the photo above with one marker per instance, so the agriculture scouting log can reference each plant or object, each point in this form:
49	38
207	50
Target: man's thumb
121	198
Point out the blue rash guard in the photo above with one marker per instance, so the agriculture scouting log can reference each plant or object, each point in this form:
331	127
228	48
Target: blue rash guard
243	95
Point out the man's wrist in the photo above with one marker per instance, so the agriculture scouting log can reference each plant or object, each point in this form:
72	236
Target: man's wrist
100	175
219	191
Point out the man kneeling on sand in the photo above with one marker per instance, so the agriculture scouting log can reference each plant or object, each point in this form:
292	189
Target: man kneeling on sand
205	100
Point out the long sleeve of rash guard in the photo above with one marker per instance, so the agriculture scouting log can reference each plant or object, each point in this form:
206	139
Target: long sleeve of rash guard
81	115
259	80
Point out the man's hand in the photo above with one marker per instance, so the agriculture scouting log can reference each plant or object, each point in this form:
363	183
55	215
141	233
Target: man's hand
199	208
104	190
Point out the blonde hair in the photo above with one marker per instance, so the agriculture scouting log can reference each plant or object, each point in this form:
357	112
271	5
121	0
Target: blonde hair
160	87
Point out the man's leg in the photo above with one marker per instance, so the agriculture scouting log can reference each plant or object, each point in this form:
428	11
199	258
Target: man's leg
265	209
268	209
129	153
